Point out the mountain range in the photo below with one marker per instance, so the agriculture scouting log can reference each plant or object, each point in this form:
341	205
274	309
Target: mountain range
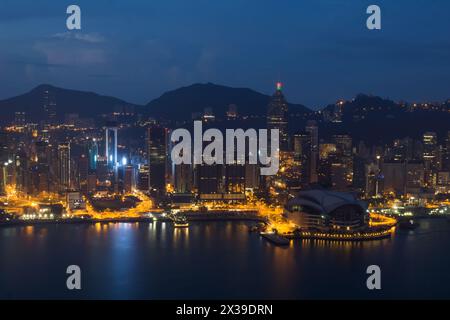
177	104
368	118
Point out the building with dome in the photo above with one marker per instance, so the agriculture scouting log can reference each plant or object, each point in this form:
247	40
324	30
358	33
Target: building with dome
322	210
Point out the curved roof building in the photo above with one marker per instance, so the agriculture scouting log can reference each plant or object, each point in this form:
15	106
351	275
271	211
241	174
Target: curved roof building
327	210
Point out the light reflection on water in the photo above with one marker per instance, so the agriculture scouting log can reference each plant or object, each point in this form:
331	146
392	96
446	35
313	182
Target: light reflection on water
216	260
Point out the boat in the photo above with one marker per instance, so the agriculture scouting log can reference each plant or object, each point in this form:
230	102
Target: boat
180	222
257	228
275	238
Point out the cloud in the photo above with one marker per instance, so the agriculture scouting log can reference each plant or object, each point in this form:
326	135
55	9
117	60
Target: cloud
84	37
70	55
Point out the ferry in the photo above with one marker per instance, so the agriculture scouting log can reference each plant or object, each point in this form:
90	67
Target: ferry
180	222
275	238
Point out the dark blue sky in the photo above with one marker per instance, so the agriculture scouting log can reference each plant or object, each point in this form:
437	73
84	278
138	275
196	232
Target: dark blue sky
320	49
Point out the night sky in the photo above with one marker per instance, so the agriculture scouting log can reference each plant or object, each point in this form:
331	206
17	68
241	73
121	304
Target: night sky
320	49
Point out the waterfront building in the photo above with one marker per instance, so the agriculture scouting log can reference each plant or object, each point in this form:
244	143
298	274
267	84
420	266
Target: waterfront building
321	210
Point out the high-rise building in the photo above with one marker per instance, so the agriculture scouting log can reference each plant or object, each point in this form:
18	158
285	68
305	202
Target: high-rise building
128	179
313	130
394	173
64	166
302	156
446	156
157	158
142	180
111	146
183	178
93	154
343	144
277	116
49	105
430	157
414	176
83	172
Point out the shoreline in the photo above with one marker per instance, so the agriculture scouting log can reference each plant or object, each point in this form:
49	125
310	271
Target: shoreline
222	216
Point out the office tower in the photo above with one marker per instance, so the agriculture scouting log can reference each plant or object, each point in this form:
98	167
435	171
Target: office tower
234	184
21	164
128	180
111	146
41	169
252	176
142	180
446	156
313	130
183	178
64	166
302	156
430	157
83	172
91	181
210	182
277	116
344	152
394	173
49	106
359	173
338	173
372	186
102	169
93	154
402	150
414	176
157	158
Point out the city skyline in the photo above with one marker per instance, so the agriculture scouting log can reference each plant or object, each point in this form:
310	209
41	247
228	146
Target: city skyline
224	150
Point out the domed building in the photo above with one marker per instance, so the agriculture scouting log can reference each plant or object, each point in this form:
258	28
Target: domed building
322	210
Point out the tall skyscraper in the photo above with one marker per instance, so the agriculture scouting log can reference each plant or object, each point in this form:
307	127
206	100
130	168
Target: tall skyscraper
277	116
313	130
111	145
49	105
64	166
183	178
93	154
157	157
430	157
302	156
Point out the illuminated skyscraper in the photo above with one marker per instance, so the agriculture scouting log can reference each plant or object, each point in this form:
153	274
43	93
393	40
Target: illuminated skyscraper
49	105
64	166
302	156
430	158
157	157
93	154
313	130
111	146
277	117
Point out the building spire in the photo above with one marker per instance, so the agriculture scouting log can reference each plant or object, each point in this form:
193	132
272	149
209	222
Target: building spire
279	86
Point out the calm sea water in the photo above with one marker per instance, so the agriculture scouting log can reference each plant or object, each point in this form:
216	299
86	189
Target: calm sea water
215	260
